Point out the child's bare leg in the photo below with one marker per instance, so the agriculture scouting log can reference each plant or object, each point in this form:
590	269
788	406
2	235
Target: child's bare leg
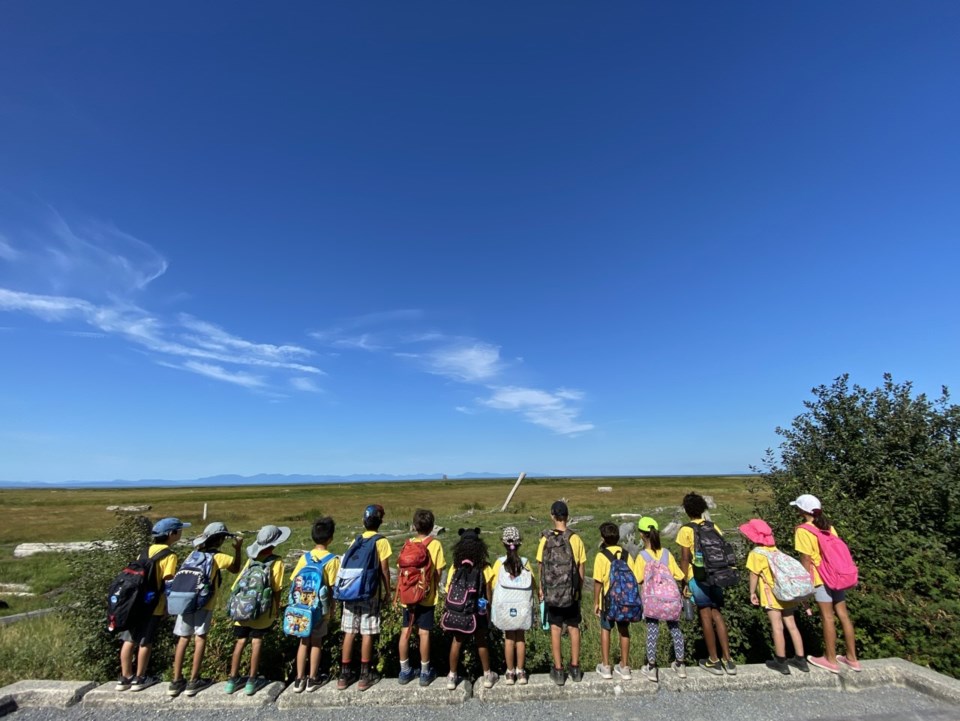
776	625
303	651
604	647
521	641
849	636
143	659
178	655
455	645
555	646
709	634
722	638
127	651
424	637
237	657
624	630
255	645
574	632
366	648
791	623
199	646
509	650
405	642
829	631
480	638
315	652
346	652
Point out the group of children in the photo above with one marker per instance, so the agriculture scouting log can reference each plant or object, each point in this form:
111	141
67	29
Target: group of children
651	587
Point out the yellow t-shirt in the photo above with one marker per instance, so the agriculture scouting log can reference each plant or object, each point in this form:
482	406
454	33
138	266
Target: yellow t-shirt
640	564
804	541
383	545
329	570
488	578
601	566
435	549
686	539
759	564
495	569
166	568
576	545
276	583
221	562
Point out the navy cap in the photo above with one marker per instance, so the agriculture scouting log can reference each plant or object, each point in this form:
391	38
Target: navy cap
373	510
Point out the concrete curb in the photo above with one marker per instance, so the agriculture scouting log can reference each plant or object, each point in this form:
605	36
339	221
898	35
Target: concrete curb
388	692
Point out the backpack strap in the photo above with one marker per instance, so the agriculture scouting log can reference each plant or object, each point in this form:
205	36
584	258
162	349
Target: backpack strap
605	552
647	557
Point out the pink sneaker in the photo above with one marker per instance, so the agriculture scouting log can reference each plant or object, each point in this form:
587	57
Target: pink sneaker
822	662
852	663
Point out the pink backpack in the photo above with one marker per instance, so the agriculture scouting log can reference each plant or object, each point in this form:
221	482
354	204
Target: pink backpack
837	569
661	596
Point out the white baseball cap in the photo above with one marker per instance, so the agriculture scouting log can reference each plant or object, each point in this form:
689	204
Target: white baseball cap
807	503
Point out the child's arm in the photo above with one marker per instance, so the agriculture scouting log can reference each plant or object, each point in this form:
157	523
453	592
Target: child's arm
235	566
540	578
597	595
754	598
385	572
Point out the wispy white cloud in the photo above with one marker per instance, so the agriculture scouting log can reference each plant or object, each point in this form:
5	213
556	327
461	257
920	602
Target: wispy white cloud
240	378
550	410
360	342
468	361
307	385
7	251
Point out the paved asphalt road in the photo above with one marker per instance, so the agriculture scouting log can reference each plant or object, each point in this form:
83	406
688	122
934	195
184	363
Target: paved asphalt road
878	704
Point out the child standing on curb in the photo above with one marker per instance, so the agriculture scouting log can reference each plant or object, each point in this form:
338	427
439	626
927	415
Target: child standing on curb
138	641
562	558
513	580
197	624
308	676
419	566
656	610
255	604
808	539
610	553
780	613
468	598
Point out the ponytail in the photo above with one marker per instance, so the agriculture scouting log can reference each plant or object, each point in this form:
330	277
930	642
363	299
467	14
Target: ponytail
653	535
513	564
820	520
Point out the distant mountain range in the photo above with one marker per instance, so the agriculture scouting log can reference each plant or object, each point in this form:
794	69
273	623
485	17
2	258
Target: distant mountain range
261	479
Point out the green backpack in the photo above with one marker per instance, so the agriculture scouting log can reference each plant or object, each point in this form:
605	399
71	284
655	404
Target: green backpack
253	593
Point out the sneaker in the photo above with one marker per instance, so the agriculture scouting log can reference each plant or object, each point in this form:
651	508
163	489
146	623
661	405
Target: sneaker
557	675
254	684
510	678
779	665
176	688
427	677
489	678
799	663
314	683
575	673
730	667
407	676
853	664
233	683
679	668
141	682
714	667
822	662
196	685
624	672
347	677
521	677
452	681
367	679
604	672
648	670
123	683
299	685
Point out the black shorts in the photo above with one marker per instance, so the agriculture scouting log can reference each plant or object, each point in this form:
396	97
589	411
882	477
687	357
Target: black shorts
419	616
560	615
143	633
247	632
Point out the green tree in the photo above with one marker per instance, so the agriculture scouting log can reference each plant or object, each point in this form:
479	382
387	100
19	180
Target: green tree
885	463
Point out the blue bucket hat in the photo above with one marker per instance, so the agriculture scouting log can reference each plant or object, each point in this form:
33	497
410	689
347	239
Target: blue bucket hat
166	526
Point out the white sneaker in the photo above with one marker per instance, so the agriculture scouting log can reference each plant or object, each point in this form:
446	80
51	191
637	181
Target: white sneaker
489	678
452	681
604	672
623	672
651	672
679	668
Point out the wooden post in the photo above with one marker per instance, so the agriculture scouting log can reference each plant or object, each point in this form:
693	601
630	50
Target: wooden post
204	511
513	490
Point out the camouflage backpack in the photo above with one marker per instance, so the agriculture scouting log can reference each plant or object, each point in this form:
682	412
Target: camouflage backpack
560	578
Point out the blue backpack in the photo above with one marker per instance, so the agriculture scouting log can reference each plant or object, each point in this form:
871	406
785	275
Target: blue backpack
309	598
191	587
359	576
623	598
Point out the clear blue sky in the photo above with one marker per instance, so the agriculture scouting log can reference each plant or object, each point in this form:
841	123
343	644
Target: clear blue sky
332	237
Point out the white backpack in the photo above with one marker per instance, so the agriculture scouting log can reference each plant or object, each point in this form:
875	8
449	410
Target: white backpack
791	581
513	599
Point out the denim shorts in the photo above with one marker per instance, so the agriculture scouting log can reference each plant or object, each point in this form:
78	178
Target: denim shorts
822	594
193	624
706	596
623	627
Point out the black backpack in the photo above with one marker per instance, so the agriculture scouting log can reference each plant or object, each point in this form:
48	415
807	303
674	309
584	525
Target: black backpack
719	561
460	607
134	593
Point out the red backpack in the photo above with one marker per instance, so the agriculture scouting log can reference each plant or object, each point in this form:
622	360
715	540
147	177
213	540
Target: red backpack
837	569
415	572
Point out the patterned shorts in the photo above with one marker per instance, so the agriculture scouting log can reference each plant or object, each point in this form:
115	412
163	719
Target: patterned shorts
361	617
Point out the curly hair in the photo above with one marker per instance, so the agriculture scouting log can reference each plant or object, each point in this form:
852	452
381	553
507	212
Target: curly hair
471	548
694	504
